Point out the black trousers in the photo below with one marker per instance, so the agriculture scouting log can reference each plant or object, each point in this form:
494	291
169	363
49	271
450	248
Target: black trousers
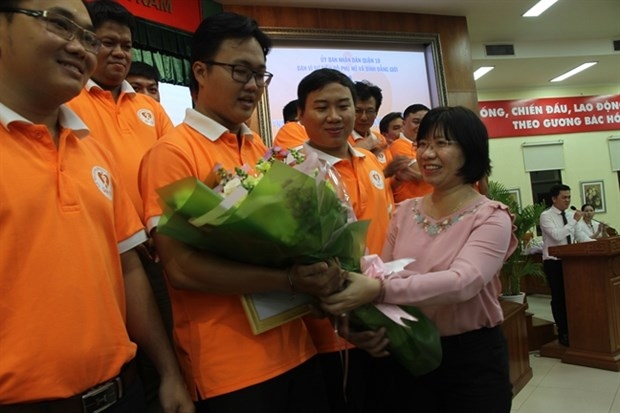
300	390
348	397
472	377
555	279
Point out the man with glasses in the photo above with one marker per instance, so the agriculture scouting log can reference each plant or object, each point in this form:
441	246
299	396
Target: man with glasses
226	366
75	300
366	109
127	124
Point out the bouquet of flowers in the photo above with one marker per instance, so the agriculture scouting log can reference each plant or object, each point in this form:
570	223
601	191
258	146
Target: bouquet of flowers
277	214
273	215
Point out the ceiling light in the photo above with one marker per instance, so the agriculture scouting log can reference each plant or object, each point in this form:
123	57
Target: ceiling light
481	71
576	70
539	8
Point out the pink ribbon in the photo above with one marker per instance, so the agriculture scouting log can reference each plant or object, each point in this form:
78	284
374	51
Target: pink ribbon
374	267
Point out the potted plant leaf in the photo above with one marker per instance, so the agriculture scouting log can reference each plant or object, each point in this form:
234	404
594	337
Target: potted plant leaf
518	265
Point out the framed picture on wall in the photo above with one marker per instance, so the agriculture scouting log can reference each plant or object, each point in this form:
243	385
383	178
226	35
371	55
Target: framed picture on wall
515	194
593	193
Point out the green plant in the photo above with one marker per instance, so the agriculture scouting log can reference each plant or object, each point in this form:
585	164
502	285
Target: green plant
518	265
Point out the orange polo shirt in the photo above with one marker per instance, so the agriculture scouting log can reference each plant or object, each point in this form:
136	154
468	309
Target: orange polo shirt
217	350
127	127
371	199
64	218
291	135
408	189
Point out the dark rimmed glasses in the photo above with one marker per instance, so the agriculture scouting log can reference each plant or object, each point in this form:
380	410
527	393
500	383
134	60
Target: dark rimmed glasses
243	74
61	26
368	112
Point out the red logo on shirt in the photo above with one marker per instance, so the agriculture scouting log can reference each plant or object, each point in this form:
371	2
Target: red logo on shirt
102	179
377	179
146	116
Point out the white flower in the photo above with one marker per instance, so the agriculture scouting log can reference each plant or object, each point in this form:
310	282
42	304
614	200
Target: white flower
231	185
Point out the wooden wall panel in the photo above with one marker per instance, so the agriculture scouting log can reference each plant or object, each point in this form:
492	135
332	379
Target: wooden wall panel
452	30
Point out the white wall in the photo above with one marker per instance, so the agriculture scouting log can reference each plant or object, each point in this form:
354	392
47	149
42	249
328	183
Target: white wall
175	99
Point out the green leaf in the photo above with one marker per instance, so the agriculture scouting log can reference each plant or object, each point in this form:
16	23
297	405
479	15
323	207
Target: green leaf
517	265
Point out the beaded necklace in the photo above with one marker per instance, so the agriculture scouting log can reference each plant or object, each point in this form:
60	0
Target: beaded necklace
432	227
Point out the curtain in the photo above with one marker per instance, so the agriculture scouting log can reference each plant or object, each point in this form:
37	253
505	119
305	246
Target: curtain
165	48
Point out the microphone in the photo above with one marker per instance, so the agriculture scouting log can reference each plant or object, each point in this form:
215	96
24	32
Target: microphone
572	207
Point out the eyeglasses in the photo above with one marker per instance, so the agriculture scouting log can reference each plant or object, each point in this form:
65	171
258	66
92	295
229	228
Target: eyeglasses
437	144
243	74
61	26
367	112
112	45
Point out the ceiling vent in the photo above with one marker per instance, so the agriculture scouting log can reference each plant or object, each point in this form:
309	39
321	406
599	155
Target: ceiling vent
500	49
617	45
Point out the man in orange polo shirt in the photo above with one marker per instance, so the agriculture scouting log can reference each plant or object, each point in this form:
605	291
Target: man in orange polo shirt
369	99
144	79
406	177
72	308
226	366
127	124
327	110
391	126
292	134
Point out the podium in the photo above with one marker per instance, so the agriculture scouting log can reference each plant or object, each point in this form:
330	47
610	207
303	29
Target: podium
592	287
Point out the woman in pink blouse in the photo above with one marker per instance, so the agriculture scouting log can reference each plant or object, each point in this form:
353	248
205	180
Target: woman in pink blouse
459	240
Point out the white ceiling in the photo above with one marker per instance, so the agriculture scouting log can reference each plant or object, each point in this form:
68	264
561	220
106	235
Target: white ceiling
571	32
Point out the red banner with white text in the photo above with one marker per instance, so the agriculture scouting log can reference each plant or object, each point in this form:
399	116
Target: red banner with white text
180	14
507	118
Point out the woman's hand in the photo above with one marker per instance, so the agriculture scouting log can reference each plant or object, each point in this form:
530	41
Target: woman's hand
359	290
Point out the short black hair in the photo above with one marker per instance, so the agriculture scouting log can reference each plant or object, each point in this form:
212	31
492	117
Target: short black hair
583	207
463	126
144	70
218	27
384	124
317	80
102	11
289	111
415	108
555	190
366	90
